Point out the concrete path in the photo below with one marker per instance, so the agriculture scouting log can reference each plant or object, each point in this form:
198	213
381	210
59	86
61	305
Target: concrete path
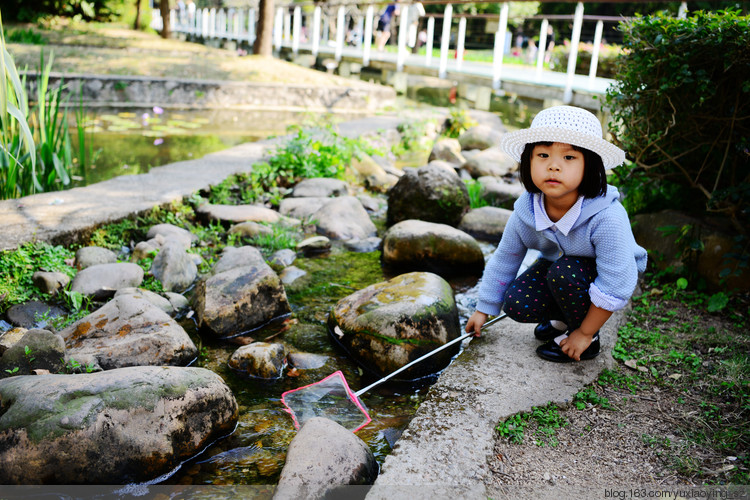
445	449
61	217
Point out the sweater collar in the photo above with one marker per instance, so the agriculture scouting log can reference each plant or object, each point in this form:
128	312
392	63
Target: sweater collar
566	222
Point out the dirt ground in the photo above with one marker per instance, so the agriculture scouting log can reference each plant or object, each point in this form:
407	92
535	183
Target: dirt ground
678	417
115	50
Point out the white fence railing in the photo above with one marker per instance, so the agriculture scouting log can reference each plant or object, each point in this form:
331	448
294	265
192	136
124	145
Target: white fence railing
326	27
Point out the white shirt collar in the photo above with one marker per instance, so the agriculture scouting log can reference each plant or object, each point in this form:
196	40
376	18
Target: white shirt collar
564	225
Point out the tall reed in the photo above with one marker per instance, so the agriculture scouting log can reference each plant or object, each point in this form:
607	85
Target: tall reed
36	149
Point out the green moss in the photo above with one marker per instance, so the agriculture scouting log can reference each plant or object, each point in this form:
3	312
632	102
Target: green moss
78	410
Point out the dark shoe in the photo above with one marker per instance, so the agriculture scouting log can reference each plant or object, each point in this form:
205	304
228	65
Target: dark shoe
552	352
545	331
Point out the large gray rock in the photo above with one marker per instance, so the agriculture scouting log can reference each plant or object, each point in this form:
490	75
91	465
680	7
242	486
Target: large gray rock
386	325
101	281
36	350
260	359
370	173
33	314
301	208
238	213
415	245
241	294
174	267
91	256
121	426
344	218
480	137
485	223
50	282
322	456
162	303
449	150
170	231
499	193
320	187
721	252
490	162
128	331
429	193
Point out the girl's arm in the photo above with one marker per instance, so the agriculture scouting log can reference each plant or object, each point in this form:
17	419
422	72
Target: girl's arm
580	338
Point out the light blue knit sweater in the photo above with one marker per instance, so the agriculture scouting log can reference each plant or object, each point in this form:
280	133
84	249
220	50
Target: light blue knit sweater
602	231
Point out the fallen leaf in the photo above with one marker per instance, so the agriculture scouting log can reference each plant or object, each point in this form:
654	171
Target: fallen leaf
675	376
338	332
40	371
632	364
293	372
242	340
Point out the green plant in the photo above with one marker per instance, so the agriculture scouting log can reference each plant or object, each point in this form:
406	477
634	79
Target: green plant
474	187
683	88
458	122
120	85
588	397
27	36
512	428
12	371
29	353
17	267
412	138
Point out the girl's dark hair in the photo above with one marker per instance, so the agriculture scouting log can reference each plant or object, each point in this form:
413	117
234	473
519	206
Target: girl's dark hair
593	184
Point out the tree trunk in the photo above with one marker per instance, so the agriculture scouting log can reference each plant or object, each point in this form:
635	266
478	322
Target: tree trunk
263	42
137	23
164	10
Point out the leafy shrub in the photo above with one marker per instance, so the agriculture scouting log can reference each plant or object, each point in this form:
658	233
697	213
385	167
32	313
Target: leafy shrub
680	110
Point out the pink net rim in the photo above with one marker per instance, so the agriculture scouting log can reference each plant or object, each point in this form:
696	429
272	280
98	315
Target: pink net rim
352	396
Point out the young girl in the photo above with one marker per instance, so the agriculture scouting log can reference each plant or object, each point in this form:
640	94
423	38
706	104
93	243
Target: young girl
589	260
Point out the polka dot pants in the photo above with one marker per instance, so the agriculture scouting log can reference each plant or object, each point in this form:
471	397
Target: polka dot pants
552	291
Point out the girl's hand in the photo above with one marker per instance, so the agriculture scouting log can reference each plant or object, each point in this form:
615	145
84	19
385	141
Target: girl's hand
475	323
575	343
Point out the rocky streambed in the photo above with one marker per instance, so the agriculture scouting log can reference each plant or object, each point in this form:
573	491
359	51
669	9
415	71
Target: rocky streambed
250	326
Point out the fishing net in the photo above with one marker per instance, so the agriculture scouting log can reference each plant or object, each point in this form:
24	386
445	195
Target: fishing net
330	398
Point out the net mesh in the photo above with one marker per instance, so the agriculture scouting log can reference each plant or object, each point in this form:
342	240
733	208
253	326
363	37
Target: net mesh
330	398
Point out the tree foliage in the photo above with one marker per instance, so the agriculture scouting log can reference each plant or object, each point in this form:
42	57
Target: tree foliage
681	109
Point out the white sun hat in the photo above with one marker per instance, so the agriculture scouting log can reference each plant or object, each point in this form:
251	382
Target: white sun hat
566	124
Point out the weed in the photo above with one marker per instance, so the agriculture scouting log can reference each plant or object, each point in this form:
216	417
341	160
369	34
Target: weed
12	371
475	189
18	266
545	421
413	134
29	353
513	427
120	85
588	397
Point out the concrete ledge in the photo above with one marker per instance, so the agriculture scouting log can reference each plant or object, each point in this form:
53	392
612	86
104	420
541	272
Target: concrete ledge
139	91
447	444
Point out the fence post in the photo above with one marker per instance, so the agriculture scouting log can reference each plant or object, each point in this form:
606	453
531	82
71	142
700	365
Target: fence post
278	28
430	37
212	23
340	32
595	52
460	46
296	28
573	55
499	51
445	41
541	49
403	28
251	26
682	12
368	36
316	31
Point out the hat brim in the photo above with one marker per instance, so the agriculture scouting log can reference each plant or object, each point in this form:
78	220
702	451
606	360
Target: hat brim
514	143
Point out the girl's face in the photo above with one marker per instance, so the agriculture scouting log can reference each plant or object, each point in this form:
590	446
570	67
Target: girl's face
557	170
